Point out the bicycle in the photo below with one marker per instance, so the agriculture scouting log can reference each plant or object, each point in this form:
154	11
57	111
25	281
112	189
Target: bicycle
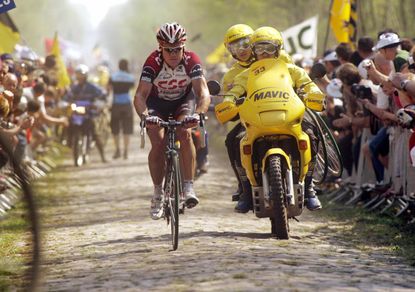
173	201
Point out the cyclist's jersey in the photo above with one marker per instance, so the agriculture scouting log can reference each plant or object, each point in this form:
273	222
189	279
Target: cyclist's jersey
171	84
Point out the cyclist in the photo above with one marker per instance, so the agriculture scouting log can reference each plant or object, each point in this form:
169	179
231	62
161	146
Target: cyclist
85	90
266	42
237	41
171	79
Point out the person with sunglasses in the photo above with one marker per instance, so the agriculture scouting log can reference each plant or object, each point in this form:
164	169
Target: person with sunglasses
266	42
171	79
237	42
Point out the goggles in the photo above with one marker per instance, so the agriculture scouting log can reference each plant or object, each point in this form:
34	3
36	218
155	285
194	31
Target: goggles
268	48
172	50
241	44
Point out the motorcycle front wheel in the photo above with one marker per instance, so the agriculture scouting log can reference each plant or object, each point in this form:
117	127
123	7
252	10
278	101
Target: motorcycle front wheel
279	223
77	147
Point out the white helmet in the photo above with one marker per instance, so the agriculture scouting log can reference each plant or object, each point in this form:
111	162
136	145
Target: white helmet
171	34
82	69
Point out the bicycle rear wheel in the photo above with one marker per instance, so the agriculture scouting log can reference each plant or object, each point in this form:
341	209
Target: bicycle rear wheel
172	191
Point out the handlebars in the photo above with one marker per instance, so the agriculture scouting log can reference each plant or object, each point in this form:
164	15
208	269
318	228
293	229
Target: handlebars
174	123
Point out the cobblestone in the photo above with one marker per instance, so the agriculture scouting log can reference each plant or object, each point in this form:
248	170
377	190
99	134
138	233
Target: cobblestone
98	236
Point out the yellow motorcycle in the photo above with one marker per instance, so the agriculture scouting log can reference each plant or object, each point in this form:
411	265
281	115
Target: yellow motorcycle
275	152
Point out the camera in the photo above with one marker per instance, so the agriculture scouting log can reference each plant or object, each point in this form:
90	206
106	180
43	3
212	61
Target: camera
361	91
406	116
411	63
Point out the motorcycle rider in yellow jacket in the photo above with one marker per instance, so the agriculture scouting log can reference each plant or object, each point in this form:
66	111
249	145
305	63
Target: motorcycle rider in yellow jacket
237	42
266	42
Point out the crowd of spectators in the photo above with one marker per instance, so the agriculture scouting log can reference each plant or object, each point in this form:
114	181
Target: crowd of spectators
370	108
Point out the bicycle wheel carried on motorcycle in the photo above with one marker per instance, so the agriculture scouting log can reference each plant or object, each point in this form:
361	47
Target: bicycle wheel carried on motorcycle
172	190
321	165
334	158
279	223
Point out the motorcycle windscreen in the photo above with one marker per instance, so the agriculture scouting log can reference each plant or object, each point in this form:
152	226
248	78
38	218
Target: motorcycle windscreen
271	99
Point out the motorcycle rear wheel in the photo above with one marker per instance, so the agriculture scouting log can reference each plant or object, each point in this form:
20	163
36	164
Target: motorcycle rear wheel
279	224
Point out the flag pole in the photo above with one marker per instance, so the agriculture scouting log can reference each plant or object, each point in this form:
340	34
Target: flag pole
328	27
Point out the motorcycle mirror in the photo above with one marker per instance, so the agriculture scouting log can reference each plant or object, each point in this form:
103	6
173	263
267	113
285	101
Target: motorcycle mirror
317	71
214	87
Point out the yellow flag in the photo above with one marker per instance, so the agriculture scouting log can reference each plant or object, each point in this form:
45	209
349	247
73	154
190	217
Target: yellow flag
219	55
63	77
9	35
353	23
339	21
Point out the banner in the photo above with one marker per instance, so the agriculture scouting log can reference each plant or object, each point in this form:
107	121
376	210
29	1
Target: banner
9	35
63	77
302	38
6	5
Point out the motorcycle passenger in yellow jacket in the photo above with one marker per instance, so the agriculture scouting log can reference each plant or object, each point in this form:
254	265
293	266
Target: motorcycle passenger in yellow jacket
266	42
237	41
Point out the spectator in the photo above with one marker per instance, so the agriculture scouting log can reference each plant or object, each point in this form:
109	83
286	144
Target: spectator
364	50
121	83
331	62
344	52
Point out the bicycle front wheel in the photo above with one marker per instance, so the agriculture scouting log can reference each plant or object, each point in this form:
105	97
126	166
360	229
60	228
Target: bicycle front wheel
173	198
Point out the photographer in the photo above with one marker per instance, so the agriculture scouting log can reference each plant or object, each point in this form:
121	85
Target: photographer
355	118
381	117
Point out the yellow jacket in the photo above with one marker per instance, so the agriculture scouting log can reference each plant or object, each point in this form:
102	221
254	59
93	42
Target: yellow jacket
314	98
239	67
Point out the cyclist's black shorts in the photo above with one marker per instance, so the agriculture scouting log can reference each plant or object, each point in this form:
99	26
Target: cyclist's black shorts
164	108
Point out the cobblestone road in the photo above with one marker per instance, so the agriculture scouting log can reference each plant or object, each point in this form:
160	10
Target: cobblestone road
98	236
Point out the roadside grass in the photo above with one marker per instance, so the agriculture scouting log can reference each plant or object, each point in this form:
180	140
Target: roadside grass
371	230
14	248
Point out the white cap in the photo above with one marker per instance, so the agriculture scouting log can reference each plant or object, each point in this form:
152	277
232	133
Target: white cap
331	57
334	88
387	39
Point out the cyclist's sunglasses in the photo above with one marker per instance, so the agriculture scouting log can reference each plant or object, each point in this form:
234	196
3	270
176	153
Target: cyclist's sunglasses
172	50
270	49
241	44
